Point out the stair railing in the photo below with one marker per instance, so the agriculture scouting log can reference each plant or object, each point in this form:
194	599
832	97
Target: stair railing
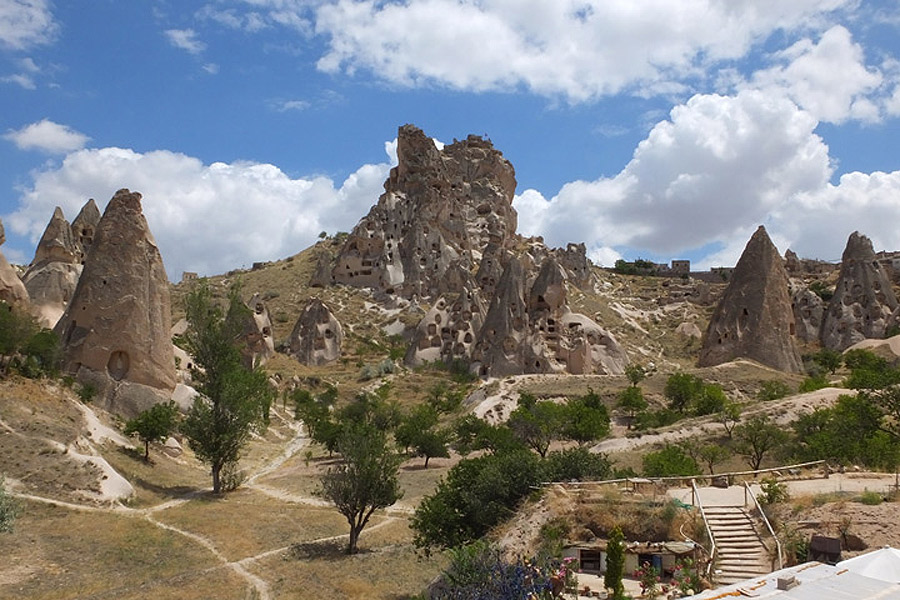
762	514
712	540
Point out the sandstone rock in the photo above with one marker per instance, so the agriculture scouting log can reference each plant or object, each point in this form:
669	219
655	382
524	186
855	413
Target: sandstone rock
440	207
84	227
12	290
2	234
500	350
317	336
448	330
322	275
259	345
689	330
754	318
809	312
57	243
50	287
115	332
863	300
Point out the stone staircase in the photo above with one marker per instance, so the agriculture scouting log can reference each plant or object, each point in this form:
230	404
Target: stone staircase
740	551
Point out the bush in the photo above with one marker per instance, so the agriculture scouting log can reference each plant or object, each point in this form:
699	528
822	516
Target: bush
813	383
87	392
772	492
577	464
668	462
870	498
773	390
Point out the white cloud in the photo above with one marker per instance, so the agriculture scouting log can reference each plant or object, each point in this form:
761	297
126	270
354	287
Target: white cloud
211	68
829	79
206	218
185	39
26	23
579	49
47	136
288	105
20	79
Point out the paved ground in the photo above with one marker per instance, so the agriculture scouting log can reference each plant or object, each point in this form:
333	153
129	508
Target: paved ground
837	482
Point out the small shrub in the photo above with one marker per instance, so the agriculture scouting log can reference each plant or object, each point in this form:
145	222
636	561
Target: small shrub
870	498
813	383
772	492
773	390
87	392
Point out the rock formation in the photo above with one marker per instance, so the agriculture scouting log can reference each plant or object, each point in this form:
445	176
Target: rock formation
863	300
500	350
809	312
84	228
754	318
53	274
439	206
115	333
317	336
448	330
259	345
12	290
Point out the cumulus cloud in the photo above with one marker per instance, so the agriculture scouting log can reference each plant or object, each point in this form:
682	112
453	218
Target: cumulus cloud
20	79
579	49
47	136
829	79
26	23
185	39
205	218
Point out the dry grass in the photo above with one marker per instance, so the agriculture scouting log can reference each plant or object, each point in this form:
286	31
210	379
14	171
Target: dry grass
60	553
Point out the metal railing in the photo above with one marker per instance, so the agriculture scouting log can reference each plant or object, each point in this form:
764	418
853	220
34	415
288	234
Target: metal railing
696	501
765	520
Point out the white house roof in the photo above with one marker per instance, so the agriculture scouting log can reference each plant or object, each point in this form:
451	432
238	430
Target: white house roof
883	564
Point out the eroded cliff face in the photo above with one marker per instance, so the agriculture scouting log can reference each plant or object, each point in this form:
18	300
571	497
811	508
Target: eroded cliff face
863	304
445	231
317	335
115	332
755	319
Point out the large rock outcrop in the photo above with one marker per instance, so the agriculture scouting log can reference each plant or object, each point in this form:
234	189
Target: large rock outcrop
259	345
754	318
115	332
53	274
317	335
12	290
448	330
439	207
809	313
863	301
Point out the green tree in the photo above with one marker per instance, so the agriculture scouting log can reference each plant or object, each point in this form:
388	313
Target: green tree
730	416
32	350
423	418
712	454
682	390
668	462
9	509
615	564
711	400
577	464
772	390
757	438
631	400
233	401
828	360
472	434
154	424
584	422
537	424
635	374
364	481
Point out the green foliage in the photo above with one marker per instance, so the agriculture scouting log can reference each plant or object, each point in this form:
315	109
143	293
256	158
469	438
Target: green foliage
712	400
577	464
850	432
870	498
772	390
32	350
631	400
668	462
656	418
365	480
772	492
635	374
869	371
585	420
730	416
234	401
472	434
712	454
538	423
821	289
154	424
479	572
615	564
813	383
682	390
419	430
758	438
477	494
828	360
649	579
86	392
444	398
10	509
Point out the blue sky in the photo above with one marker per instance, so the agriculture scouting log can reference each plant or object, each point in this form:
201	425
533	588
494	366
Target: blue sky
645	128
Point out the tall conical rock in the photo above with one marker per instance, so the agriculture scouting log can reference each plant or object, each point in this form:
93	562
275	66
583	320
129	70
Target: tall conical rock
115	332
863	300
12	290
439	208
500	350
84	227
259	345
57	243
754	318
317	335
809	313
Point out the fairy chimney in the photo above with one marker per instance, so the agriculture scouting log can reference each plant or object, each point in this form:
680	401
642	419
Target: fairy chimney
754	318
863	300
317	336
115	332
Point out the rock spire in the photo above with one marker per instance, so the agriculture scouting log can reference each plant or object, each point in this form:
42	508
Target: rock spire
115	332
317	335
754	318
